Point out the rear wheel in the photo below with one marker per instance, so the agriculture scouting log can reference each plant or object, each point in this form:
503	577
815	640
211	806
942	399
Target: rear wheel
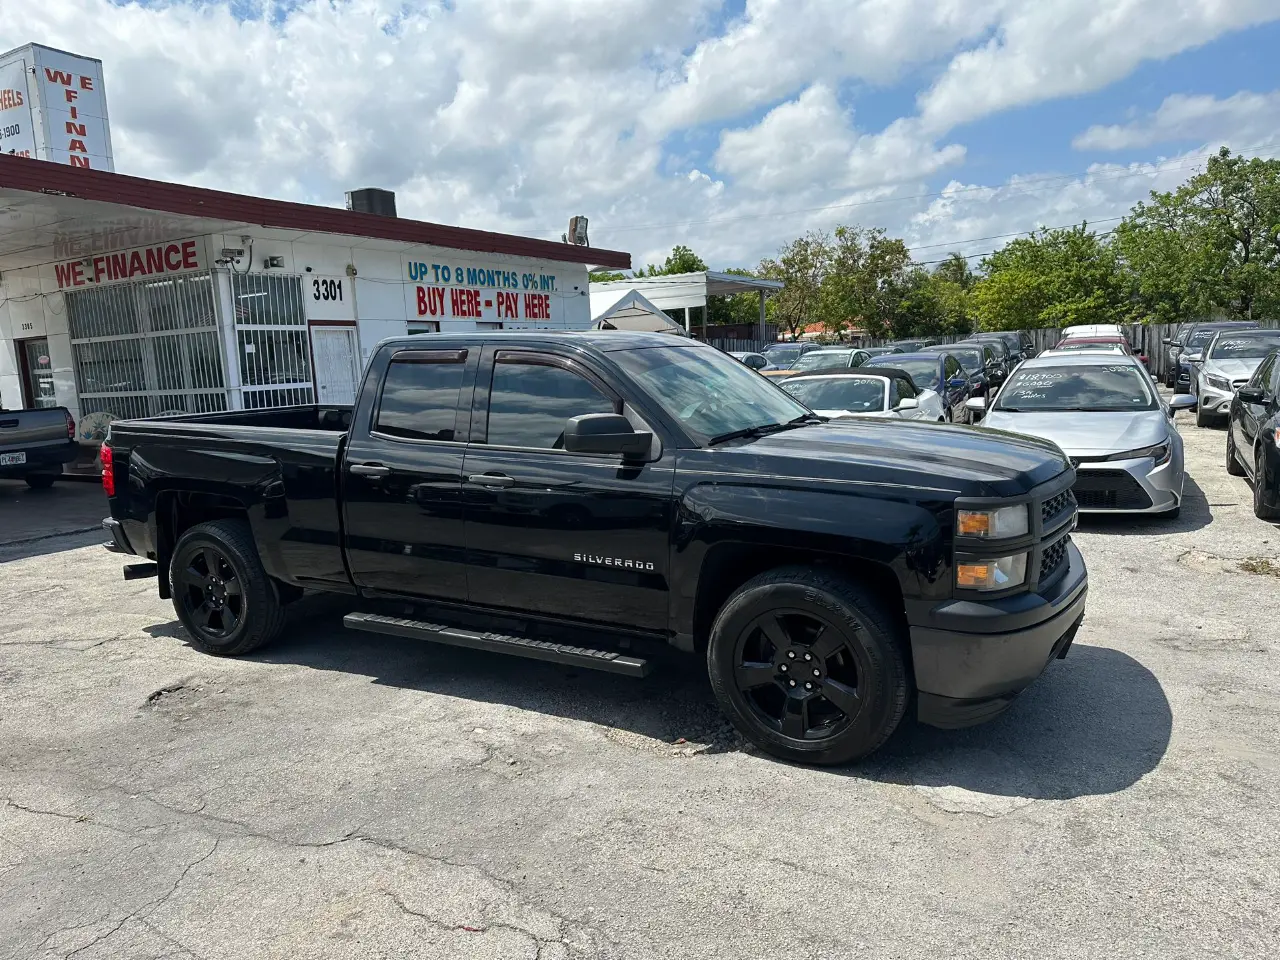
221	592
40	481
1264	497
808	665
1233	460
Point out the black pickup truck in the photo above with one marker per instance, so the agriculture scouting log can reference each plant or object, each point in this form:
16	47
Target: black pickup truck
35	443
581	498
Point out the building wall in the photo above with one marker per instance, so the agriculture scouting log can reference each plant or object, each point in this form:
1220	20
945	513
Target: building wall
380	286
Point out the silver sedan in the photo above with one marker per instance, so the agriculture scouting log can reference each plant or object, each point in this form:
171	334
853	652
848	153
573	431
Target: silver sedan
1103	411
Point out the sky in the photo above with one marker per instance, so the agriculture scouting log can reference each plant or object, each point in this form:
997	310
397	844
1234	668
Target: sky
731	126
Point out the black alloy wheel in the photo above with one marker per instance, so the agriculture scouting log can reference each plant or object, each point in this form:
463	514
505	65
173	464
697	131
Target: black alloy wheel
211	593
799	674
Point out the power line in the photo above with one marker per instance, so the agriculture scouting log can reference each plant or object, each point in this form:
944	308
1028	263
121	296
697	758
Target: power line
1162	165
971	256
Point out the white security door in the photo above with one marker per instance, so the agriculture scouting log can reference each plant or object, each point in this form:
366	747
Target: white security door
334	352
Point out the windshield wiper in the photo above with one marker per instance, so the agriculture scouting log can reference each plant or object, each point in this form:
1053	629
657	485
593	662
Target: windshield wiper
761	430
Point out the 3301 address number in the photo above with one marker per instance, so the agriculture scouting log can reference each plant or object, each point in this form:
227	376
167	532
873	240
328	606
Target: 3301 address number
326	289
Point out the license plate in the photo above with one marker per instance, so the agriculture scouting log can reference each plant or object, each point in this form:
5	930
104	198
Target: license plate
12	459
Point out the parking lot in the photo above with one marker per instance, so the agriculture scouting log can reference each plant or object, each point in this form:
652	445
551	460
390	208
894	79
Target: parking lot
346	795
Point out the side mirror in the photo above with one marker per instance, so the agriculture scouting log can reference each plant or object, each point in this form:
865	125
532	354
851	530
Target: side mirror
605	433
976	404
1251	395
1167	341
957	382
1182	401
907	403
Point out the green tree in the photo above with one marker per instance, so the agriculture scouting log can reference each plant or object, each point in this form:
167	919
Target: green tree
955	269
739	308
1054	278
866	281
1214	243
681	259
605	276
802	265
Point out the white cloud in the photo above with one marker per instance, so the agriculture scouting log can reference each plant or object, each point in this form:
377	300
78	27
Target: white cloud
1054	48
812	140
1242	119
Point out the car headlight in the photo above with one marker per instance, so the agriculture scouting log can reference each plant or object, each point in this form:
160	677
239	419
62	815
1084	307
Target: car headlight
1218	383
1160	452
988	575
997	524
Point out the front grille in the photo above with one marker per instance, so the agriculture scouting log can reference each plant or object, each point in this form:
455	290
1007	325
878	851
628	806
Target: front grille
1052	509
1052	559
1076	461
1110	490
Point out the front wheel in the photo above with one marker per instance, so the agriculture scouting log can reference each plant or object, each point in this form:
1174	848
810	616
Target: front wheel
1233	459
221	592
1264	507
808	666
1204	419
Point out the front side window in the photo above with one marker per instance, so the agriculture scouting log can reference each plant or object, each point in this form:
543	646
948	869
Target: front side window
1093	388
906	389
530	402
420	399
1262	377
951	366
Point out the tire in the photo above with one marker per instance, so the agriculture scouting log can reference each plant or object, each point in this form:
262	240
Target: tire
774	622
208	560
1261	508
40	481
1204	419
1233	461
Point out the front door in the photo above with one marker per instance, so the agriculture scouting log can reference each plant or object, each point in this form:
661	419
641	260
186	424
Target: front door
402	476
576	536
37	373
337	369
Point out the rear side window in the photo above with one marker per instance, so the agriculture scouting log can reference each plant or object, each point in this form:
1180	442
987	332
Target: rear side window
530	402
420	399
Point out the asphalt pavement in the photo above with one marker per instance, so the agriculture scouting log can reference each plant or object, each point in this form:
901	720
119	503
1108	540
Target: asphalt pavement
343	795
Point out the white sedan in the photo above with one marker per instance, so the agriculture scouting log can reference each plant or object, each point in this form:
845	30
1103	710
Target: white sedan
869	392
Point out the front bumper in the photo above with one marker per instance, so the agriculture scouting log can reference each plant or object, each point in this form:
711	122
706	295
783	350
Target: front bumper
972	658
1213	401
1129	486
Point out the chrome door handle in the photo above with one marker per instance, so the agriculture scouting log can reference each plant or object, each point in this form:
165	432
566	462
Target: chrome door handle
376	470
491	480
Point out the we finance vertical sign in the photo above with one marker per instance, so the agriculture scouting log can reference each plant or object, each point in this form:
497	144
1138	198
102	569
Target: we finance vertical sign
53	107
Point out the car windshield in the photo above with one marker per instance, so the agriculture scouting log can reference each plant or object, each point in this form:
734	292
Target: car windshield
882	351
782	356
855	394
1243	348
1094	387
823	360
1085	345
1200	338
710	393
999	346
924	373
969	359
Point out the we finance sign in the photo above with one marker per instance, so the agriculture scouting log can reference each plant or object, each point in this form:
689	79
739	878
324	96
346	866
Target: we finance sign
181	256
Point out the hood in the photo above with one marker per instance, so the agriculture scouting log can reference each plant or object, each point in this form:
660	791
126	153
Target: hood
869	449
1241	369
1087	434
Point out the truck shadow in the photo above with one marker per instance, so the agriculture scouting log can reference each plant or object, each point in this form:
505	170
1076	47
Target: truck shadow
1194	516
1095	723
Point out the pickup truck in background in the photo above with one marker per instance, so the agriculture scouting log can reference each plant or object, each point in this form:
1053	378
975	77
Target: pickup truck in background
35	443
585	498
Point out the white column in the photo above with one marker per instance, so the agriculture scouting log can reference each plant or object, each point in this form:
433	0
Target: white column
761	337
226	311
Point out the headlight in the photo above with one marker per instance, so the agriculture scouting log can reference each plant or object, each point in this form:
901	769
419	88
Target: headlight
1160	453
997	524
992	574
1218	383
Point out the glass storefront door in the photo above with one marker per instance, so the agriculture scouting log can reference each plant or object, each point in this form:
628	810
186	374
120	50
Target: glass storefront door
37	373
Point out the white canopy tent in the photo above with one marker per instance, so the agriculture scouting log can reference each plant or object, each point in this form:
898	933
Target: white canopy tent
680	291
629	310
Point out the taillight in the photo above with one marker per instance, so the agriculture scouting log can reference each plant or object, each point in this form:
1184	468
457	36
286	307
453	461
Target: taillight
108	470
71	427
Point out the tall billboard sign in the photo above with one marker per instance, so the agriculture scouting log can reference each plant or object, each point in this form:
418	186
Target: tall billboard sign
53	107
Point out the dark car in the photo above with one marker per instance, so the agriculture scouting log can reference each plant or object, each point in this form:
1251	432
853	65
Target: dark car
1191	350
979	362
1017	345
783	355
939	372
35	443
911	346
592	499
1005	361
882	351
1253	436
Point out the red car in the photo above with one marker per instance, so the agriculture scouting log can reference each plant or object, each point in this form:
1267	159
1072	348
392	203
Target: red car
1088	343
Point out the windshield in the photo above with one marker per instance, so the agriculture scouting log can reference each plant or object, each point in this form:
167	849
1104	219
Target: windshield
924	373
999	346
969	359
1084	345
1100	387
882	351
782	356
1243	348
1200	338
855	394
823	360
708	392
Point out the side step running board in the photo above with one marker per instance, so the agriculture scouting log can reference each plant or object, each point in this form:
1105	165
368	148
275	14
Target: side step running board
605	660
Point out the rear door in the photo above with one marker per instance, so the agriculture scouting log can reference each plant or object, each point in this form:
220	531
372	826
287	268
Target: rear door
402	475
576	536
